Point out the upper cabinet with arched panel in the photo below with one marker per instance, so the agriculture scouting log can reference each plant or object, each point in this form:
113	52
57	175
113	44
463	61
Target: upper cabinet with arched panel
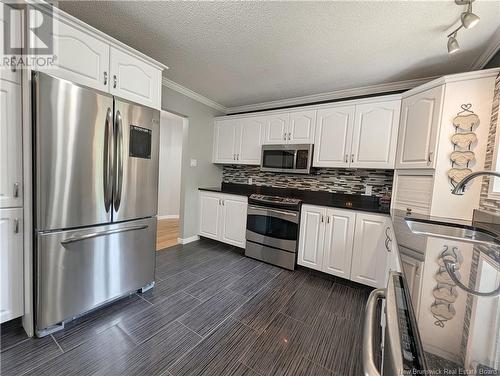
88	57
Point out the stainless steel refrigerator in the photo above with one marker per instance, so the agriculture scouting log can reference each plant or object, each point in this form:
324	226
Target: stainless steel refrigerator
95	198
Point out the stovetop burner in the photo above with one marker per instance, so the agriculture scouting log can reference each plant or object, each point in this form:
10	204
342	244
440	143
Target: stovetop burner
275	200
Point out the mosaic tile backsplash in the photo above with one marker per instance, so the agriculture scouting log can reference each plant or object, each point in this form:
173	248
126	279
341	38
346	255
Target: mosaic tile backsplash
334	180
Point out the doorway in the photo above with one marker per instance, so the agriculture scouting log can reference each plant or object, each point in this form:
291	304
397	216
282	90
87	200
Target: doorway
169	179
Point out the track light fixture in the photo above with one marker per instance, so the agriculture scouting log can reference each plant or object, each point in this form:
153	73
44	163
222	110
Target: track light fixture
453	45
468	21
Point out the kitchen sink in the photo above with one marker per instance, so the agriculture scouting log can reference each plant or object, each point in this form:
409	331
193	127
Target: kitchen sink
453	231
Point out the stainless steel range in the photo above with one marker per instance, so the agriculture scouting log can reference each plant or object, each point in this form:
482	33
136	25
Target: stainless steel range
273	229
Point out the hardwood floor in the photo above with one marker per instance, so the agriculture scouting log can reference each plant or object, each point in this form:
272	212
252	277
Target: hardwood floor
167	233
212	312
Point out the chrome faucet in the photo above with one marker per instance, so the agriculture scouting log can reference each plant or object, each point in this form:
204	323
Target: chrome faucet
460	187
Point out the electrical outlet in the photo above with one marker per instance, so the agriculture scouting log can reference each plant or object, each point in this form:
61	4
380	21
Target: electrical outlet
250	180
194	162
368	190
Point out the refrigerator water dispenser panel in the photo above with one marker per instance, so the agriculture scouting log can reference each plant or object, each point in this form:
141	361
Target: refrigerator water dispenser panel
140	142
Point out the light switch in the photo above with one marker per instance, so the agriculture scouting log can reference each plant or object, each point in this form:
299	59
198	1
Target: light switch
194	162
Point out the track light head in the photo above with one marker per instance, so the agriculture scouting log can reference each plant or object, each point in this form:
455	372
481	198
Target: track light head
469	19
453	45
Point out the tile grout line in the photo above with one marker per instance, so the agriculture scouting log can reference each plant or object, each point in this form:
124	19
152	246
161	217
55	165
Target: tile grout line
57	343
147	301
187	327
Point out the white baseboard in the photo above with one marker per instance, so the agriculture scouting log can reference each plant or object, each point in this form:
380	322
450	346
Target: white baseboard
188	240
170	216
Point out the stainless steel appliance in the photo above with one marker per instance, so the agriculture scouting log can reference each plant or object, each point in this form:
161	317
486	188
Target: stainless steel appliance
442	311
273	229
295	159
95	192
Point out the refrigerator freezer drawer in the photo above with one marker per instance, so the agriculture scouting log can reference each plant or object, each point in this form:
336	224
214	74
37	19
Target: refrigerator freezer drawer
78	270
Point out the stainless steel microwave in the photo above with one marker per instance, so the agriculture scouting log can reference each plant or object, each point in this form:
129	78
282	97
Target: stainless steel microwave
294	159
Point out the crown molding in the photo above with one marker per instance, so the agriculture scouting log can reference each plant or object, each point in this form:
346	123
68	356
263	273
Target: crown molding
492	48
193	95
332	95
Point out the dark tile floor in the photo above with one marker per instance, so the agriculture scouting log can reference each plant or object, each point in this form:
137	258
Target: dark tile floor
212	312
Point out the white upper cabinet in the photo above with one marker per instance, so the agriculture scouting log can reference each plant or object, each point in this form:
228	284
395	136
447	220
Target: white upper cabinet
311	236
238	141
225	141
250	141
15	22
333	136
369	252
339	236
81	57
301	127
420	116
11	170
375	134
276	130
88	57
11	267
133	79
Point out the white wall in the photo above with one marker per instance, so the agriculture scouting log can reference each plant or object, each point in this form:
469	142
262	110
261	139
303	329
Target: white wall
198	144
169	186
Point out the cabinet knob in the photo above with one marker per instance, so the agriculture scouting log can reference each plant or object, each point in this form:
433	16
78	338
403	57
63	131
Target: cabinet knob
347	158
105	78
352	158
327	219
289	136
16	226
16	190
115	81
284	136
429	159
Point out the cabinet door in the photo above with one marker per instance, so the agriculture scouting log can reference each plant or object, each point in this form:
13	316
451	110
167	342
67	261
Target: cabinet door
419	125
81	58
11	267
249	146
234	220
375	135
332	144
134	79
225	133
210	215
302	127
369	253
339	237
312	230
15	22
276	129
11	150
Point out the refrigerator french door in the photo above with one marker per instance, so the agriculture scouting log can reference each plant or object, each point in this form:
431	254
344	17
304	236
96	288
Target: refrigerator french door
96	187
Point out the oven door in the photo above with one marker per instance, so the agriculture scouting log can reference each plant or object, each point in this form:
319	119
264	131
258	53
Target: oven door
276	228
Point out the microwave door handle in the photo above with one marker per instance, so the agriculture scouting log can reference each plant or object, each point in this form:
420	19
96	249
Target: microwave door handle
368	332
118	161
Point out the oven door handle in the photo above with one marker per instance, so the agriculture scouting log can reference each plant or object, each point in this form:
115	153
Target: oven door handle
369	368
282	212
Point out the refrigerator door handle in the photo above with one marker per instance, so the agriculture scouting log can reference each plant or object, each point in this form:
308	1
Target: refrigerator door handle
92	235
118	161
108	160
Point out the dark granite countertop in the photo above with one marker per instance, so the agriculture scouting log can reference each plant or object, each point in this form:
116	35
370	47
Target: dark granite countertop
337	200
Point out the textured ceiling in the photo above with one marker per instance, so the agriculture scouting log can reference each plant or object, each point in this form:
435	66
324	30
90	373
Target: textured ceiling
239	53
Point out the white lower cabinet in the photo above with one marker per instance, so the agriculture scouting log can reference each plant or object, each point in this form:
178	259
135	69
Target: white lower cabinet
223	217
339	237
369	254
311	237
11	265
344	243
